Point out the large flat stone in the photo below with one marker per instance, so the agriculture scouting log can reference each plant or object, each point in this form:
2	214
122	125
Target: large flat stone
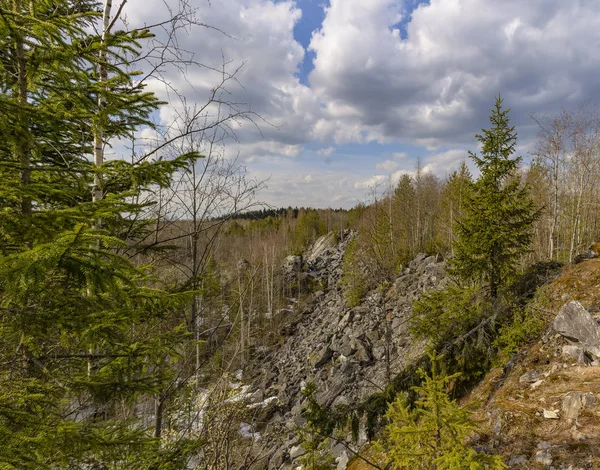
577	325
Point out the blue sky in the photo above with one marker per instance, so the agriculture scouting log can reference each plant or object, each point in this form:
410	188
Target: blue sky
351	93
313	13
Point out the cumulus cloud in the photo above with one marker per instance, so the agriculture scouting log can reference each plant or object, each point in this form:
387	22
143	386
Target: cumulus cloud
258	43
400	155
445	162
436	87
431	86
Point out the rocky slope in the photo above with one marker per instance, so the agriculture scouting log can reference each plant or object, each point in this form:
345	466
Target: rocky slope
345	352
540	410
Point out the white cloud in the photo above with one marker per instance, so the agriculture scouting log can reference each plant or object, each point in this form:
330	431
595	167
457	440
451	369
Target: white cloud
437	86
444	163
326	152
399	155
433	89
370	183
387	165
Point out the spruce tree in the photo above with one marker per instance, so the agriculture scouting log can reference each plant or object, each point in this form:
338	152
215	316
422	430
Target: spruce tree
85	335
454	197
433	433
496	229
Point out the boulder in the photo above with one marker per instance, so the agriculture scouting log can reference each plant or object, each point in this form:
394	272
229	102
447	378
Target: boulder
517	461
292	264
577	353
363	352
574	402
320	247
321	357
575	323
297	451
590	254
530	377
342	461
543	455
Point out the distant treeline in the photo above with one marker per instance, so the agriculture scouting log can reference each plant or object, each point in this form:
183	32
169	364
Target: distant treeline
290	212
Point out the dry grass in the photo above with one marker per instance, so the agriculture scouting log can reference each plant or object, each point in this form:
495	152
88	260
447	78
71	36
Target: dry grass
519	407
577	282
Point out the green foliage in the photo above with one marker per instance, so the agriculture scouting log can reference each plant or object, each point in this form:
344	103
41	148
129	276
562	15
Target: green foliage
317	456
354	279
356	214
526	324
314	436
433	434
496	229
235	229
455	194
310	226
85	333
441	316
266	225
462	322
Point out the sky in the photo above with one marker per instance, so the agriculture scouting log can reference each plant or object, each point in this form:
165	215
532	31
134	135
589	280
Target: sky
350	94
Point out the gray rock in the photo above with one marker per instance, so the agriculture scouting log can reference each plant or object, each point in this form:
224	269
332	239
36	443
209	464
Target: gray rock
297	451
543	457
373	335
363	352
322	357
530	377
574	402
517	460
292	262
415	263
578	353
320	248
340	401
342	461
348	347
590	254
577	325
326	330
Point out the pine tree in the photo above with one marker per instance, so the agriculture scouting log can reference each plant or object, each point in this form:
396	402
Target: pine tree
497	227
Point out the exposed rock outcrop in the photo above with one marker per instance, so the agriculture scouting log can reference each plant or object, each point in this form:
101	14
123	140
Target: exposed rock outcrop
576	324
344	351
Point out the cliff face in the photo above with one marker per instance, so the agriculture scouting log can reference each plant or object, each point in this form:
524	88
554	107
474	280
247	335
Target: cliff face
347	353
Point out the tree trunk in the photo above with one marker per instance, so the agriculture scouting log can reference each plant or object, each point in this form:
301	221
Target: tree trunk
101	101
158	415
22	150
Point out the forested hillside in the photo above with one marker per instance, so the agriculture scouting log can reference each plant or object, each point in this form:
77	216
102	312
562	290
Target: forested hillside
155	314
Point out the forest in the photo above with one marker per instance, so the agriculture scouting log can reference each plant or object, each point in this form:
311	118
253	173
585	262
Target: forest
137	276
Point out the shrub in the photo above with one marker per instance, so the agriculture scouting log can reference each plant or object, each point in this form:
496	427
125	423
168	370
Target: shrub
433	434
354	278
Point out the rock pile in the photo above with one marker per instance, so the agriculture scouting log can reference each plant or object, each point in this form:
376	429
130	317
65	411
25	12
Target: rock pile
345	351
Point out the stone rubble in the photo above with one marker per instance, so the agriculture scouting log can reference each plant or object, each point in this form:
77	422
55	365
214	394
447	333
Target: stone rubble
341	350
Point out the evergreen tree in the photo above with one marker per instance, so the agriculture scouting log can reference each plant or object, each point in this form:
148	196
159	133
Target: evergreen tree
454	197
497	226
432	434
404	216
82	329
